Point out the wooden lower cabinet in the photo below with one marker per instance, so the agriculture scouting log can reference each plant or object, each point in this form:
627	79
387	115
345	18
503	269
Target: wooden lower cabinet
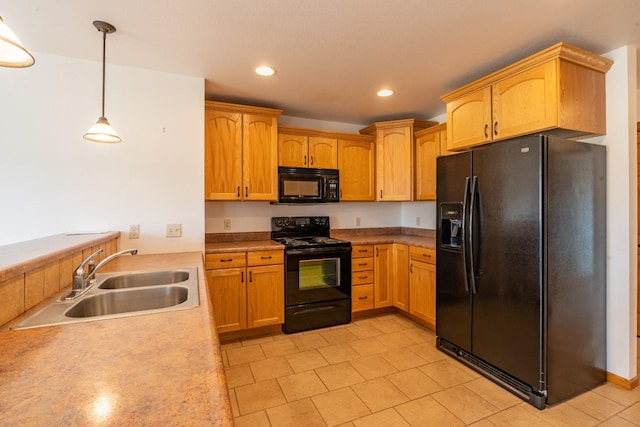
384	275
401	282
422	284
246	297
362	277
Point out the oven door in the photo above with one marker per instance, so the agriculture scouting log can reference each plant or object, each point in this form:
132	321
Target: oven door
317	274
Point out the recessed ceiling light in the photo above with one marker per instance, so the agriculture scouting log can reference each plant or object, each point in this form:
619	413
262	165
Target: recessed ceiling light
385	92
265	71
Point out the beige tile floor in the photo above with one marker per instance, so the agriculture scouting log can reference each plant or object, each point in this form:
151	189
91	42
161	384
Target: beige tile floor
386	371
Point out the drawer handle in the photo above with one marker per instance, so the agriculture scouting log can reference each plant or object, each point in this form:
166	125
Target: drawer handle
362	277
226	260
411	268
363	297
362	263
427	255
266	257
363	250
242	277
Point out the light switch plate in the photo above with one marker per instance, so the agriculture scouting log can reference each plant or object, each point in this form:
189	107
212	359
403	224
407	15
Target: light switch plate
174	230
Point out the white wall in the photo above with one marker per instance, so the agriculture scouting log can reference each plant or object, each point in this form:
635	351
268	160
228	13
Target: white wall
620	140
256	216
53	181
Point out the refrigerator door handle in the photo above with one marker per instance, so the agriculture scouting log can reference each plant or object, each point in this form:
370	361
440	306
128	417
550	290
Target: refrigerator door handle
464	245
474	185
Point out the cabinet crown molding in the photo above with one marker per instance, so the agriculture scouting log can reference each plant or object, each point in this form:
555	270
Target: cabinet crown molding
238	108
417	124
562	51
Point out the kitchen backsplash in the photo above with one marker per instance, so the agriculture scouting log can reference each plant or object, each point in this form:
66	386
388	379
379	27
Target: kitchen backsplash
256	216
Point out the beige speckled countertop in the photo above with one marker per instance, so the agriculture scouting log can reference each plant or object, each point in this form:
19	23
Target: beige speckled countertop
155	369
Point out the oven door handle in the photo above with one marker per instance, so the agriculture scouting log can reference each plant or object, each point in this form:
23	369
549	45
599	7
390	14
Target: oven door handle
326	250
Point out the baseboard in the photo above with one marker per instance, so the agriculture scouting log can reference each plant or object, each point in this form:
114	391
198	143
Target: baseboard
623	382
246	333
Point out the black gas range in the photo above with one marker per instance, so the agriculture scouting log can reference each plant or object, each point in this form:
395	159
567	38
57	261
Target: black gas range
318	273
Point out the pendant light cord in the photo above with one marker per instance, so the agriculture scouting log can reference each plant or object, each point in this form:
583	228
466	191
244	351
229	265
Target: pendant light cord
104	56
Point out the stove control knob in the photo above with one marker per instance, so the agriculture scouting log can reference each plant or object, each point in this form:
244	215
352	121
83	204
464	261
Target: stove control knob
320	221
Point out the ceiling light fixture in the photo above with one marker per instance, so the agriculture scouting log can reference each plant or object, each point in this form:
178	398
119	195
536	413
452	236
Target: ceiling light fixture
12	52
102	130
265	71
385	92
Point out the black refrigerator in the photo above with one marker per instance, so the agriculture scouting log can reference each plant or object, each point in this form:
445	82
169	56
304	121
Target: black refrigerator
521	264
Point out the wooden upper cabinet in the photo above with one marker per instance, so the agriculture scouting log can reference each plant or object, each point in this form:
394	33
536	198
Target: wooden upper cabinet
356	165
323	152
427	149
292	150
260	154
395	157
525	101
469	120
223	155
306	148
241	152
560	90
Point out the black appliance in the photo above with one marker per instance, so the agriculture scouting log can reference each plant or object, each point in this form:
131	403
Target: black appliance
521	265
317	273
306	185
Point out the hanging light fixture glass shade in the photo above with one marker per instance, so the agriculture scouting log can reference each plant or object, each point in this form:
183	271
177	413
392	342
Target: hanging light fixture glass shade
102	130
12	52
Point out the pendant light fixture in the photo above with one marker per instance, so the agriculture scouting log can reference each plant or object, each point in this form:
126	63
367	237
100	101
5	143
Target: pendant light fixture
102	130
12	52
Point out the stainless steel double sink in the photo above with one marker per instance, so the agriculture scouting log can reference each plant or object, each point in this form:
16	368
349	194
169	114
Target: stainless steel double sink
122	294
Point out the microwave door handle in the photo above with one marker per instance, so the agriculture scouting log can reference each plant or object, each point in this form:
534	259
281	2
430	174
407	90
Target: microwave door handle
326	190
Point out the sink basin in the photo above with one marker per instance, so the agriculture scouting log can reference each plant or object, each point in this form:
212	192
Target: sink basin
153	278
122	294
126	302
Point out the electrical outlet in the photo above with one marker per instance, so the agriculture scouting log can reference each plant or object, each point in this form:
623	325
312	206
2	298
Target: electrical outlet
134	231
417	220
227	224
358	222
174	230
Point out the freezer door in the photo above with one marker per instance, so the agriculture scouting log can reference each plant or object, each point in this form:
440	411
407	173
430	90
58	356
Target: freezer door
507	247
453	300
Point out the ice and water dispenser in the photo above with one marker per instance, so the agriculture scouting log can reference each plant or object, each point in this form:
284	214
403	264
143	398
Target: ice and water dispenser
451	226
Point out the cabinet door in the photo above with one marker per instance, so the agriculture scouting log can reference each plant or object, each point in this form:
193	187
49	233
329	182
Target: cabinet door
469	120
394	168
260	157
526	102
427	150
265	295
356	165
401	270
422	291
222	155
323	152
383	275
444	149
228	298
292	150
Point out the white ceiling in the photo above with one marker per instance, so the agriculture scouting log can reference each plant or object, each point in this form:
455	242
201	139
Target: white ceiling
331	55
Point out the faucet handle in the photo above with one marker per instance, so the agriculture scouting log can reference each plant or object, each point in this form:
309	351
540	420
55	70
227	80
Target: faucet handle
89	260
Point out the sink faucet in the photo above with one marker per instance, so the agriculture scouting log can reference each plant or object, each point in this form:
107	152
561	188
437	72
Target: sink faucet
83	279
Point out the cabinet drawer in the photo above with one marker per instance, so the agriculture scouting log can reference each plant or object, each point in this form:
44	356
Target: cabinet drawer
361	264
362	277
226	260
361	298
265	257
361	251
422	254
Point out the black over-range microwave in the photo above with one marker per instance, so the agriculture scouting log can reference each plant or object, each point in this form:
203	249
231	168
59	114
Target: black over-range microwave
306	185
